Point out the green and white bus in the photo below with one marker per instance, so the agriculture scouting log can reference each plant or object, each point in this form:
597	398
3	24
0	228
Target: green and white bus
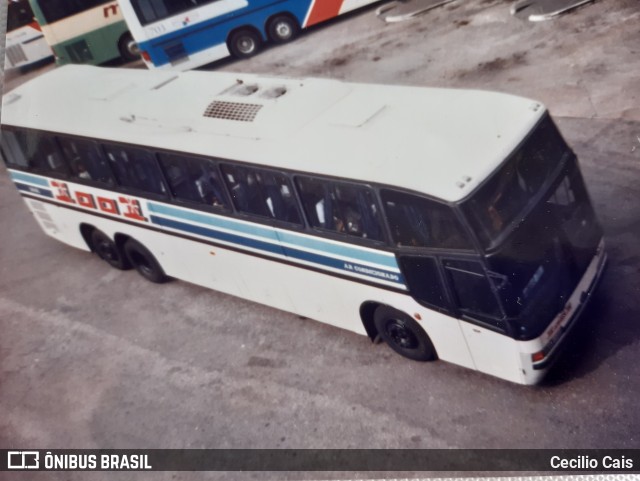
450	224
85	31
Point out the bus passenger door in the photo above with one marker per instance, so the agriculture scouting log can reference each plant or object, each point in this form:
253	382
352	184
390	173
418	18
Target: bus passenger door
482	321
424	278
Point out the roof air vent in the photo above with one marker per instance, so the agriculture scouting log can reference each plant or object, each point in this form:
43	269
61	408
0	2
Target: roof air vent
244	90
274	93
232	111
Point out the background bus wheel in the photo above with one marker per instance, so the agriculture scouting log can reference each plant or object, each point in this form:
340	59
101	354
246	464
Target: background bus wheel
403	334
129	50
244	43
283	29
108	251
144	262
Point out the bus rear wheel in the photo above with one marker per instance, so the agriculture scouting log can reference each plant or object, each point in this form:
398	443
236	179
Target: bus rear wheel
244	43
144	262
403	334
108	251
282	29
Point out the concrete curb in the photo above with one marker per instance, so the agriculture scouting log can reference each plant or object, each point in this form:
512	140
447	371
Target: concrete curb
552	12
418	9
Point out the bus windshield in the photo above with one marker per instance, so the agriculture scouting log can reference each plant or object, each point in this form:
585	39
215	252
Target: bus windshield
536	222
19	14
503	200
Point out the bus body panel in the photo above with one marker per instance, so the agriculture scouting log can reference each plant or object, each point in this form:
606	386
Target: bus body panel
26	46
195	37
95	47
89	37
25	42
497	361
320	296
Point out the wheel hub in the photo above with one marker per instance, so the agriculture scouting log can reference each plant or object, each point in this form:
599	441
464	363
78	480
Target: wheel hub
106	252
400	335
246	45
283	30
132	47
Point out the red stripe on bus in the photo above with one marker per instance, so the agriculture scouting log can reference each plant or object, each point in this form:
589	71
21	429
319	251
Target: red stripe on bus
324	10
35	25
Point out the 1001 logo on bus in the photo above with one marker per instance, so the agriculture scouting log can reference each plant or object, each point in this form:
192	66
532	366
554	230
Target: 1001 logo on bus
124	206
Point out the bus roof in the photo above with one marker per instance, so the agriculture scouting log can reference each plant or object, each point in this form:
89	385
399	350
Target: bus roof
441	142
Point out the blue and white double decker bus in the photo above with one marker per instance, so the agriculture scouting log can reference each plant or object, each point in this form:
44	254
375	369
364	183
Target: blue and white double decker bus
450	224
184	34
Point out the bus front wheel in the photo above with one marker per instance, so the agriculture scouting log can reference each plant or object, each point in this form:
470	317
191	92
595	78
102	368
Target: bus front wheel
403	334
108	251
144	262
244	43
282	29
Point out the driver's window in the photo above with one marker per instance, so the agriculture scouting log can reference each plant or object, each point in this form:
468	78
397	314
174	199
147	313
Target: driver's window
425	282
472	290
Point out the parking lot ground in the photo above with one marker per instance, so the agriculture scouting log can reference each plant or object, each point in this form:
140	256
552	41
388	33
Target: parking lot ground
96	358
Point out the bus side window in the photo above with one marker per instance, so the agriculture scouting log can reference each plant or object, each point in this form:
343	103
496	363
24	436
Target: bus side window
136	169
193	180
41	152
419	222
279	197
153	10
85	160
13	154
262	193
150	10
340	207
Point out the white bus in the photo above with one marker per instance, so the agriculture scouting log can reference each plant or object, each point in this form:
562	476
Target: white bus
184	34
85	31
25	43
451	224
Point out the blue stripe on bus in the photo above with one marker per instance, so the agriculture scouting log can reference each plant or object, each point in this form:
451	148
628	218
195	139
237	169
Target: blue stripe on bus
347	266
32	179
298	241
388	260
34	190
323	261
214	234
219	222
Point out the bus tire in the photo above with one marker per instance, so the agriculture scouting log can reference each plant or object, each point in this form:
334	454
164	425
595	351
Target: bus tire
403	334
128	48
282	28
244	43
108	251
144	262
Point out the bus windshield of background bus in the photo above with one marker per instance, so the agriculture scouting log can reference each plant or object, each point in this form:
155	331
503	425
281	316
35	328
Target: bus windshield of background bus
54	10
18	15
505	197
